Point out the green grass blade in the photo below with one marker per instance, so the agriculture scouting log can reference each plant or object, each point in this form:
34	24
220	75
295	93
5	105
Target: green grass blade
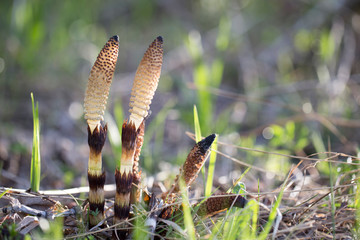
198	137
155	128
201	74
237	182
273	213
332	196
188	221
140	231
202	81
114	136
114	132
3	193
35	169
50	229
254	206
216	231
224	34
118	114
197	125
356	228
211	168
320	148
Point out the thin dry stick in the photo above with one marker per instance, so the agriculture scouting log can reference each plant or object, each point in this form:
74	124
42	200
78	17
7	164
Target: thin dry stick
95	103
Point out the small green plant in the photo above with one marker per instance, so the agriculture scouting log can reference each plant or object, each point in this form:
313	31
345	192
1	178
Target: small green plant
273	213
140	230
197	129
155	130
35	169
356	228
50	229
211	168
291	137
3	193
8	231
114	126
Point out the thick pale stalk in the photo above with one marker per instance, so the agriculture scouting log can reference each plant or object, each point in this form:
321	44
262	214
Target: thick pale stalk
96	96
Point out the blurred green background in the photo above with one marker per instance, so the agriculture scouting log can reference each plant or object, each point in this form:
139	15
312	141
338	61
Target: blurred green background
280	76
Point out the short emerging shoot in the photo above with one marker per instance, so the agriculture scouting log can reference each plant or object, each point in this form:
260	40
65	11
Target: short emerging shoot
35	170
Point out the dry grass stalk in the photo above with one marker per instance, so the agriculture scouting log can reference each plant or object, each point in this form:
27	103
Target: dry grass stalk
95	103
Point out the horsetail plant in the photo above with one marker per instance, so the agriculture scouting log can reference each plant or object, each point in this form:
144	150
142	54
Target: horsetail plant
127	177
95	101
188	173
35	169
127	174
146	81
194	161
145	84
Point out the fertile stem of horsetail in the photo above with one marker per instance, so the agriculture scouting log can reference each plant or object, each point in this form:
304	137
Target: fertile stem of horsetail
193	163
145	83
218	203
188	172
94	104
214	204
